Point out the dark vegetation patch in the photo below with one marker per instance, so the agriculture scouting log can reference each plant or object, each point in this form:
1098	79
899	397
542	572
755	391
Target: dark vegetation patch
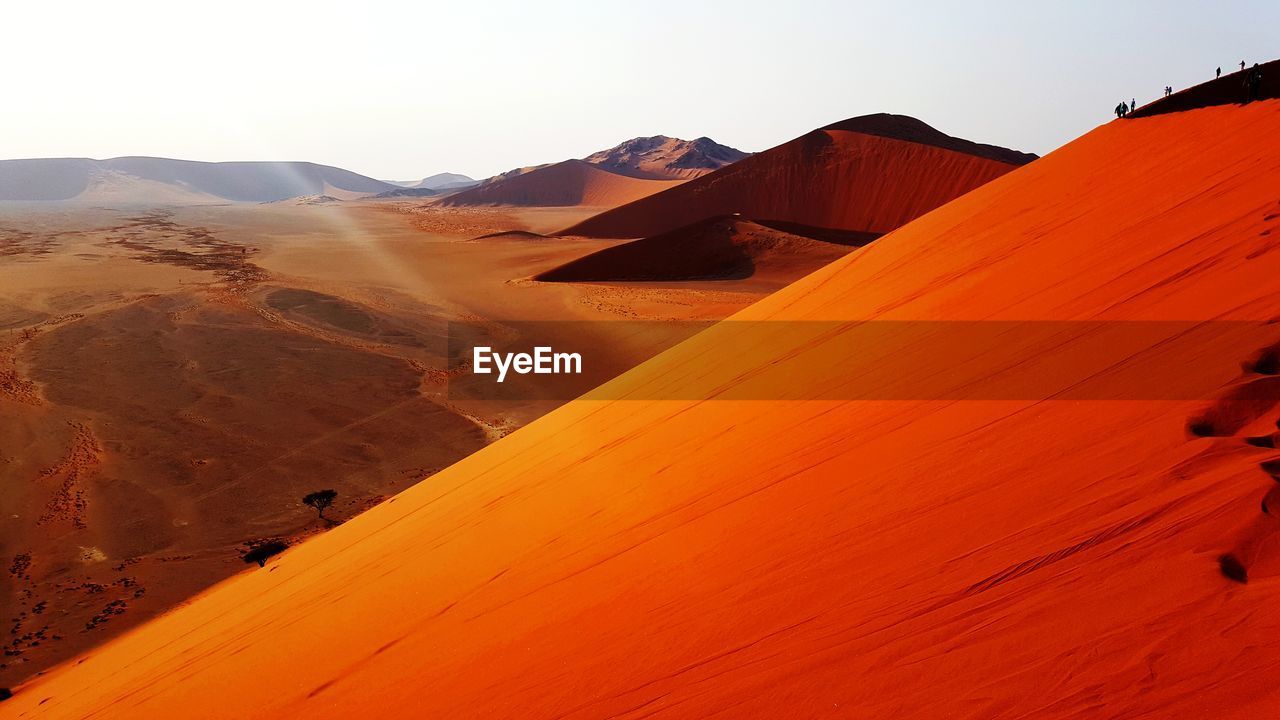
262	550
155	238
320	500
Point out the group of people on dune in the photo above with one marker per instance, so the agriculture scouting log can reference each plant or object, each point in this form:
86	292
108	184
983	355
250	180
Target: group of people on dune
1124	108
1252	88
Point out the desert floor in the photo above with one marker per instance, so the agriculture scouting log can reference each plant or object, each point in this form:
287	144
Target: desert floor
174	379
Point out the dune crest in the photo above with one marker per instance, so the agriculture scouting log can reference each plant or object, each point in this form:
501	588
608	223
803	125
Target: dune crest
564	184
869	174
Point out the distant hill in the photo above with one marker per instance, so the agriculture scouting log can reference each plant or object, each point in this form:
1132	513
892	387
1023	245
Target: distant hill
628	171
666	158
148	179
439	181
444	181
403	192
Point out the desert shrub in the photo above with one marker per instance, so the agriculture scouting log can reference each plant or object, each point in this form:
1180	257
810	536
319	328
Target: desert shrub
260	551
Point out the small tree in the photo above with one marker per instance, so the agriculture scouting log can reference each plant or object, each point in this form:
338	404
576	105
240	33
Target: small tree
320	500
261	550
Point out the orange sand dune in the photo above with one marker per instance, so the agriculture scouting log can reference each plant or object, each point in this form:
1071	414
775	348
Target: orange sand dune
826	558
1228	89
867	174
564	184
715	248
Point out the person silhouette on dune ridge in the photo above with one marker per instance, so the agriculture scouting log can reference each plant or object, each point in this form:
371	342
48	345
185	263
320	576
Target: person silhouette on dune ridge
1253	83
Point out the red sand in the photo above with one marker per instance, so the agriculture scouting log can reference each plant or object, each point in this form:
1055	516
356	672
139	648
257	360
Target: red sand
564	184
855	175
715	248
874	559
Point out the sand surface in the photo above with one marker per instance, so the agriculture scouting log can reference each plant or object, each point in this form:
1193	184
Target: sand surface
864	181
824	558
564	184
718	248
173	379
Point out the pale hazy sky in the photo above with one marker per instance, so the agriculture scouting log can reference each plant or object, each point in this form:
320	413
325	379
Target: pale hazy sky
399	90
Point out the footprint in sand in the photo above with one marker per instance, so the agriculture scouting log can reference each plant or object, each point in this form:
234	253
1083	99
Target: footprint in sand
1271	502
1259	545
1241	406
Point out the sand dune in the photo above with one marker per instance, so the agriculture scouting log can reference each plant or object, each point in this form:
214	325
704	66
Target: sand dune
445	181
141	180
564	184
1226	90
113	187
715	248
868	174
173	381
666	158
822	558
626	172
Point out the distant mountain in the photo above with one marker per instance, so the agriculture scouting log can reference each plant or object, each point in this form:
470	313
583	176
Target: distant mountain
408	192
446	181
148	179
628	171
666	158
439	181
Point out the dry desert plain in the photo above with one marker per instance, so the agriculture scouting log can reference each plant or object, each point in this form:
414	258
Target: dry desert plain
174	379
